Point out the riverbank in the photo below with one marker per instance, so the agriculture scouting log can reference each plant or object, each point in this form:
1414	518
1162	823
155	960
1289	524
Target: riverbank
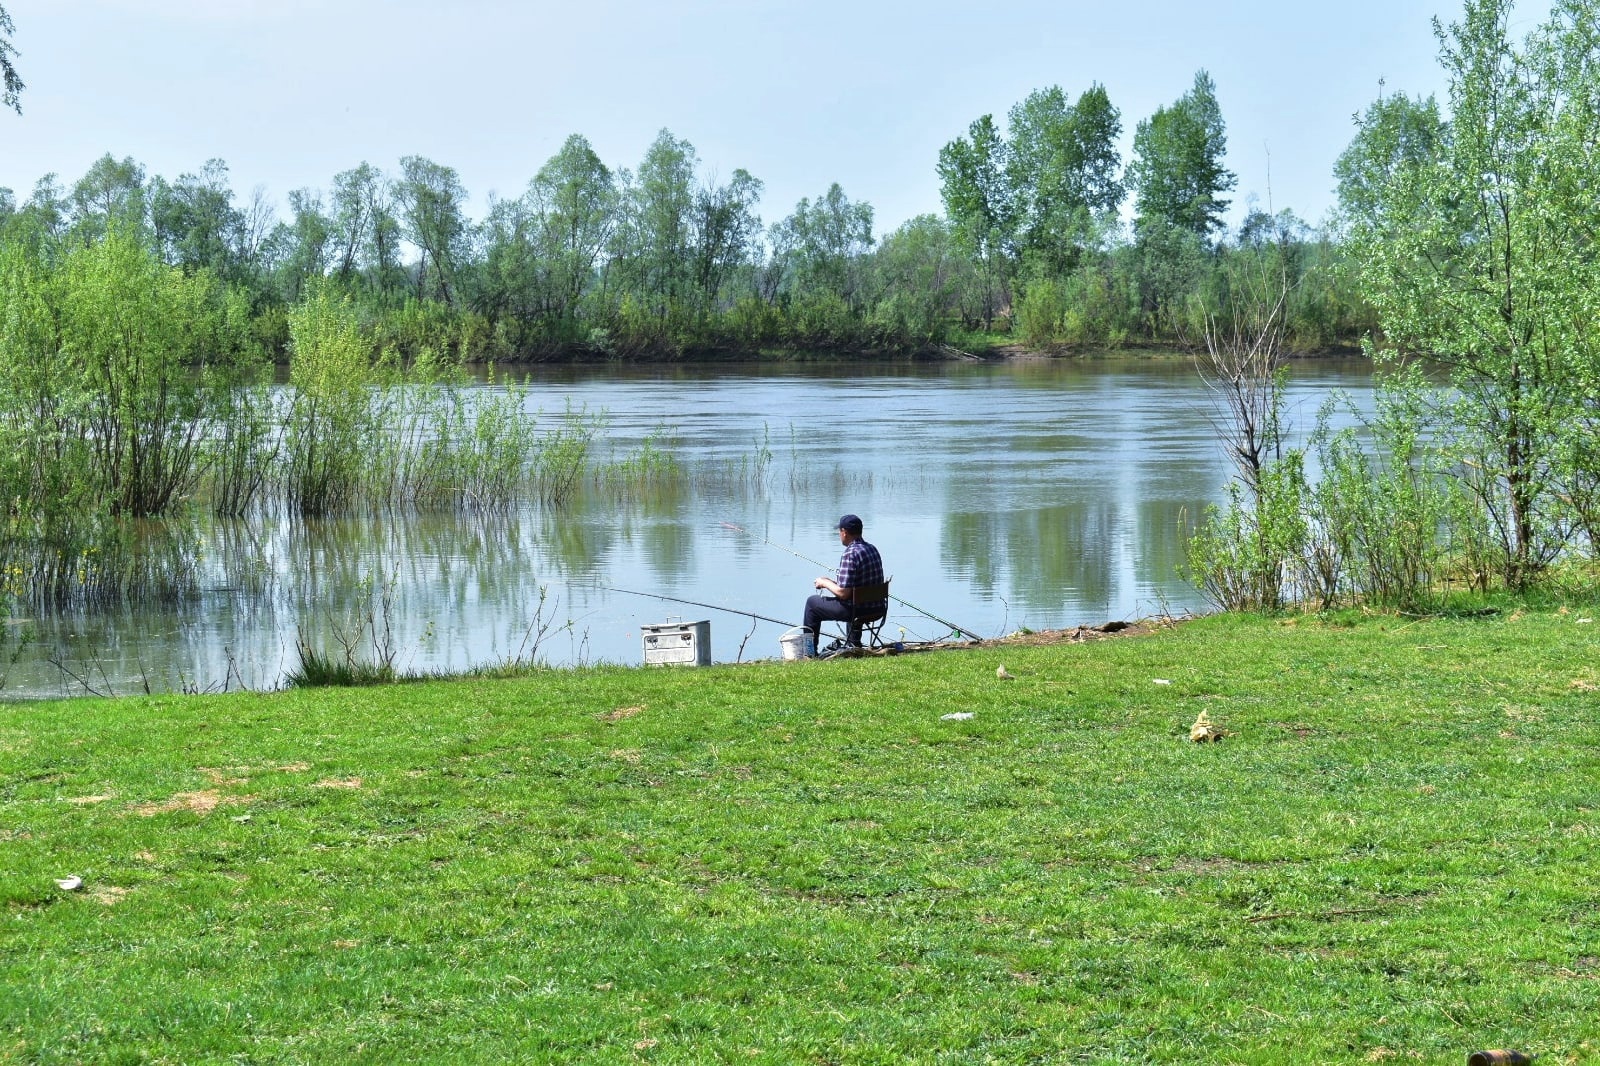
983	348
1390	856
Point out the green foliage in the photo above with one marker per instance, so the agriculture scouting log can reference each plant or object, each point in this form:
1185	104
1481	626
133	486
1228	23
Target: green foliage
1386	507
111	194
1473	240
981	205
196	226
1063	169
10	81
431	200
822	245
452	445
494	460
1171	264
1399	135
664	262
561	455
914	280
574	201
331	416
1043	313
1177	173
651	469
143	341
244	449
1247	557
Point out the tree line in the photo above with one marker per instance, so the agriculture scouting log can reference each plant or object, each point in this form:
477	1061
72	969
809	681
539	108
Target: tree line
665	259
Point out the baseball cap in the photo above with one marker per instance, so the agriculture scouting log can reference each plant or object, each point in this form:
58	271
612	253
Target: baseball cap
850	524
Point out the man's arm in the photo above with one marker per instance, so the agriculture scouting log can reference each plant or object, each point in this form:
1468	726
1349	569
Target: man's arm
829	584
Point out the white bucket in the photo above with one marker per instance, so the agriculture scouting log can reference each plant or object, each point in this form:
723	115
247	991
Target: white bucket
797	644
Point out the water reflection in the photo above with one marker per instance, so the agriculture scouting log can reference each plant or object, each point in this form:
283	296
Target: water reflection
1040	494
1031	558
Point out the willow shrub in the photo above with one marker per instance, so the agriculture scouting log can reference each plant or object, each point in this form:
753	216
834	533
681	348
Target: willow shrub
243	453
496	453
331	417
113	372
561	455
452	445
1043	313
1389	508
149	350
1578	479
1249	555
1390	520
113	369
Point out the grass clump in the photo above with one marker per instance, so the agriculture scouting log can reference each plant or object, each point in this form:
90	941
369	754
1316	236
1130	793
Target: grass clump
1391	857
322	669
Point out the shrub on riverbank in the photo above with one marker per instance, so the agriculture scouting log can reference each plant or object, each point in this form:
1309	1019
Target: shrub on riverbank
129	390
1387	857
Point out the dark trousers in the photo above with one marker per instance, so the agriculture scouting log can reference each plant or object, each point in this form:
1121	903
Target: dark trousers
820	609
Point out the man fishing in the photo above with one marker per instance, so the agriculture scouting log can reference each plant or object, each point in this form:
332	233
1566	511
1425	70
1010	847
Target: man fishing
859	567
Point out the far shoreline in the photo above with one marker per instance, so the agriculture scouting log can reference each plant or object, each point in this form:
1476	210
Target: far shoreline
587	356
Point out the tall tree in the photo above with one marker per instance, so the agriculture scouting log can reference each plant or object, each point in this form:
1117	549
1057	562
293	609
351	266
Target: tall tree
827	239
46	209
365	230
1063	169
357	196
433	201
196	224
978	200
662	205
112	192
573	203
724	233
508	279
916	268
10	81
300	247
1475	242
1177	173
1398	134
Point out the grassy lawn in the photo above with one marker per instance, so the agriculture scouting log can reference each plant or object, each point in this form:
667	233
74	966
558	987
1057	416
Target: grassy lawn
1394	857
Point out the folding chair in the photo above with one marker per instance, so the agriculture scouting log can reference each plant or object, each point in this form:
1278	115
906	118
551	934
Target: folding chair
865	621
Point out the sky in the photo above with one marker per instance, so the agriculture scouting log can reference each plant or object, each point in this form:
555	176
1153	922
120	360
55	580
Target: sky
860	92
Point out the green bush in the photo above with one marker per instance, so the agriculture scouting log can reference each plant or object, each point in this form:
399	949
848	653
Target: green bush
331	418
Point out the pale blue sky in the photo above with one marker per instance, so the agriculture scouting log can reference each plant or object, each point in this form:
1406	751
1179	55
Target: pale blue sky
289	92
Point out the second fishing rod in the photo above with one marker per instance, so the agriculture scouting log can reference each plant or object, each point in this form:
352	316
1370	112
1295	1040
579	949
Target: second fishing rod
960	631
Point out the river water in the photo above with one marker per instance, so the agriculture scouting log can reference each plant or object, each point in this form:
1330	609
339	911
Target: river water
1029	494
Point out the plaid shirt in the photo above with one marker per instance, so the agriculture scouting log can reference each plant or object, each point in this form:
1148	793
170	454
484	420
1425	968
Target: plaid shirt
860	565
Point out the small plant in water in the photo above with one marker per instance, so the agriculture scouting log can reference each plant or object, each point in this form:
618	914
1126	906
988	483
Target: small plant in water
366	645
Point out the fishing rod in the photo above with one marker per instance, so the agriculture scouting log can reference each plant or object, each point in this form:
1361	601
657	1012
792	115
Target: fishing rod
780	547
959	631
696	603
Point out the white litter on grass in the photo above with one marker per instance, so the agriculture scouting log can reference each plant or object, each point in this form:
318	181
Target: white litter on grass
1159	681
1003	674
68	884
1585	621
959	716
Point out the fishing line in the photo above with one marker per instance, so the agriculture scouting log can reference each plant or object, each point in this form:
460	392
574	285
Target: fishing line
959	631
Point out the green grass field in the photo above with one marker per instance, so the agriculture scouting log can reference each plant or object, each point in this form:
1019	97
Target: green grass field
1392	858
